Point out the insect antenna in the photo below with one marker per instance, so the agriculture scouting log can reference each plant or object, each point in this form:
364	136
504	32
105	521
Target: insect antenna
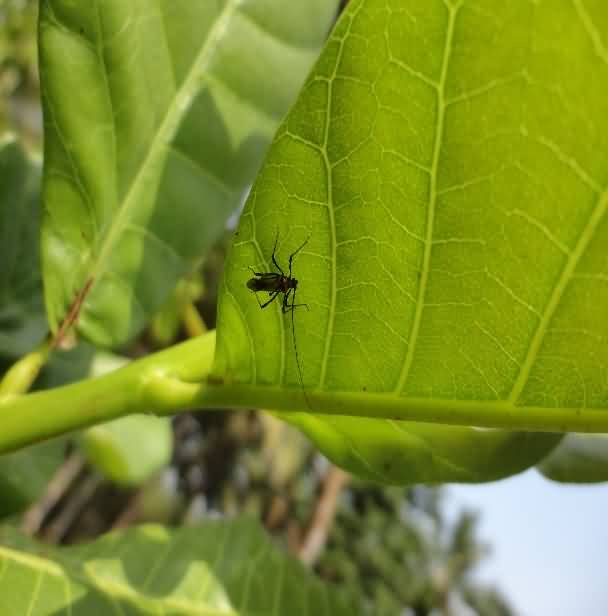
295	348
279	283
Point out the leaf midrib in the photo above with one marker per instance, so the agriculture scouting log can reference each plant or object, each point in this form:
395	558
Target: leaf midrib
180	105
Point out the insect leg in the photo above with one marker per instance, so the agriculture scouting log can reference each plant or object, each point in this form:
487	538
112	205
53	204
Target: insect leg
286	304
293	254
274	295
287	307
276	239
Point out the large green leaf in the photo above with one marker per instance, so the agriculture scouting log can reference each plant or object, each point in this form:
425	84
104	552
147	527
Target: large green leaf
449	161
219	568
157	114
22	318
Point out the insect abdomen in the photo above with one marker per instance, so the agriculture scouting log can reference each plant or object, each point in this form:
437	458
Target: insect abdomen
269	284
254	284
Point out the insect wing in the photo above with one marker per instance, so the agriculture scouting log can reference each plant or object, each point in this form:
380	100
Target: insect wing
265	282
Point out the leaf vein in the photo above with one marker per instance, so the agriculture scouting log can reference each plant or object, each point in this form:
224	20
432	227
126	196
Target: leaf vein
332	222
426	263
164	133
598	45
564	279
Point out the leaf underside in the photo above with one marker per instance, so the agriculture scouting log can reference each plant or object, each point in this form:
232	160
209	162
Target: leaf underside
448	160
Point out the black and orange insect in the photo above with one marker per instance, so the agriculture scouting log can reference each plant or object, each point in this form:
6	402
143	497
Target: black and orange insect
275	284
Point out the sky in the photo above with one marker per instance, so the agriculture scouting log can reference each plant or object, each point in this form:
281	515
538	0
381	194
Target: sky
549	542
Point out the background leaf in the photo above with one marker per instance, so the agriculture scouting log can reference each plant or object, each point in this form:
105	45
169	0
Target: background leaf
131	449
448	160
221	567
157	115
22	319
579	458
405	452
24	475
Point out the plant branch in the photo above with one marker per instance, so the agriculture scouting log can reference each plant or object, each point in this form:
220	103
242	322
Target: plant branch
179	378
162	383
22	374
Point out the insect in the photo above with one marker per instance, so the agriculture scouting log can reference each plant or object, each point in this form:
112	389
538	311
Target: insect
275	284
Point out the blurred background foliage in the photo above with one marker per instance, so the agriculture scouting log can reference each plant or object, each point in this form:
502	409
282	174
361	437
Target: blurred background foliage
394	546
19	91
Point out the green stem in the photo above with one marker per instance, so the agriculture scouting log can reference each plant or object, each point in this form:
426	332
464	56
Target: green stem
192	320
179	378
22	374
159	383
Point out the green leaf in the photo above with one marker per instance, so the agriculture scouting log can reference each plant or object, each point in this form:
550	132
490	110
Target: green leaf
221	567
157	115
579	458
131	449
449	162
404	452
22	318
68	366
24	475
